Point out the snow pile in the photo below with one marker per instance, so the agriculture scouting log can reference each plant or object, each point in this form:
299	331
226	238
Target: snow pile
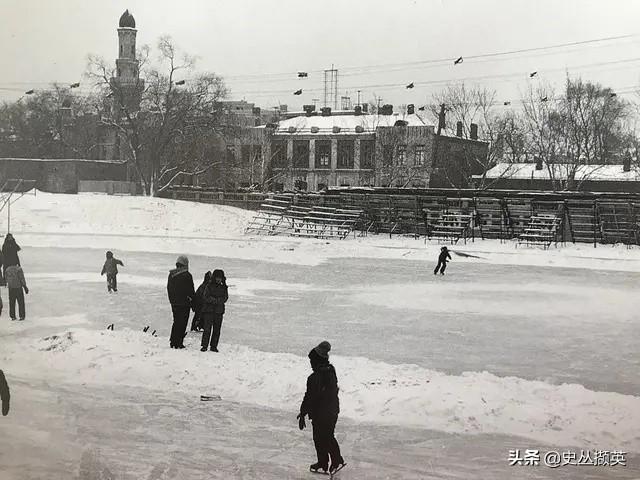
409	395
104	214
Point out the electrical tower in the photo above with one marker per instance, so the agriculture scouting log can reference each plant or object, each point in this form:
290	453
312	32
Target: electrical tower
331	88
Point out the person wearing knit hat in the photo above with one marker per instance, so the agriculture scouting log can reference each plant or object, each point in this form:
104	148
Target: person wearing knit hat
214	297
110	267
322	405
181	296
442	261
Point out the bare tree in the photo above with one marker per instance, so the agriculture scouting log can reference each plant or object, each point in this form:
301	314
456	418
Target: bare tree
467	106
165	120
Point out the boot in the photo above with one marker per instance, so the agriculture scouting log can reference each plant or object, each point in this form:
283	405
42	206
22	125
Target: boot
317	468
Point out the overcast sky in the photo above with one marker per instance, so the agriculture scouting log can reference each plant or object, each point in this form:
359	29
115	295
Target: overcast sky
260	45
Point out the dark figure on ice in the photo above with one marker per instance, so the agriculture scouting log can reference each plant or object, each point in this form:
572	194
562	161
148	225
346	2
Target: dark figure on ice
322	405
16	284
110	267
213	299
181	296
442	261
196	322
10	251
4	394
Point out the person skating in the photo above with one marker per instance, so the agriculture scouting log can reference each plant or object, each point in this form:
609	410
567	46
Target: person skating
110	267
181	296
213	299
322	406
442	261
196	322
10	251
16	285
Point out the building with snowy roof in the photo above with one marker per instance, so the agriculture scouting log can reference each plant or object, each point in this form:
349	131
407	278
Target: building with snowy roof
623	177
349	148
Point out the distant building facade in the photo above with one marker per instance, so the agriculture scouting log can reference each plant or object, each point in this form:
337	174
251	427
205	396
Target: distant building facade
344	148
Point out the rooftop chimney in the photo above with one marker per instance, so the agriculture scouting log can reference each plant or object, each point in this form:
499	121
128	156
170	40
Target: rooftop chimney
626	163
474	131
358	110
538	163
325	111
459	129
365	108
410	109
309	109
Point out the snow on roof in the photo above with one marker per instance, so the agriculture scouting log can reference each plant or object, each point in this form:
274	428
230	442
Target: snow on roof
527	171
347	123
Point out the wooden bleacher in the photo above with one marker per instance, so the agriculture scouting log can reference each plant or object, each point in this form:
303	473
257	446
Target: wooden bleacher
542	229
326	222
451	227
618	222
270	219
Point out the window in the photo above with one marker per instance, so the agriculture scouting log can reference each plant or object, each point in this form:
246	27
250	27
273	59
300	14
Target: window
278	154
256	151
419	155
246	154
133	50
345	153
230	154
301	154
401	154
387	155
367	152
323	154
121	49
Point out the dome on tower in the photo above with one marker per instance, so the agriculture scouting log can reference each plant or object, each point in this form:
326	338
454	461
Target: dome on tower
127	20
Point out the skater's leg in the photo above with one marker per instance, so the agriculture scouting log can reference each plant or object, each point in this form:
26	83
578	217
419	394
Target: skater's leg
179	325
437	267
20	298
182	327
334	448
215	335
115	282
207	321
444	266
321	442
12	303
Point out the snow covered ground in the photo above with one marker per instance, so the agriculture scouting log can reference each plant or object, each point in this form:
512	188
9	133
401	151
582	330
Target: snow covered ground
439	376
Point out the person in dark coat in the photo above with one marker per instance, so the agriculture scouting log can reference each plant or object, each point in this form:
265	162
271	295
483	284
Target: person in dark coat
110	267
181	296
442	261
16	285
10	251
5	396
213	299
196	322
322	406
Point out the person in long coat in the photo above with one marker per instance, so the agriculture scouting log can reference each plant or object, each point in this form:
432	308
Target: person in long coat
181	296
214	297
10	251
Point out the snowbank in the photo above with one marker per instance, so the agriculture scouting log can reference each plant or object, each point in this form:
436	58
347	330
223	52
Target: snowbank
409	395
170	226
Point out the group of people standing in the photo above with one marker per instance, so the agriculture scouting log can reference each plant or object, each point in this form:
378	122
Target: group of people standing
12	276
207	303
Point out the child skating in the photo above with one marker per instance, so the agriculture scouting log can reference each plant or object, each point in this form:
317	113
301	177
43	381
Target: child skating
111	269
442	261
322	405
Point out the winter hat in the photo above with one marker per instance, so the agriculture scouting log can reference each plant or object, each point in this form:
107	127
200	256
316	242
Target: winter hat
322	350
182	260
109	254
207	276
218	274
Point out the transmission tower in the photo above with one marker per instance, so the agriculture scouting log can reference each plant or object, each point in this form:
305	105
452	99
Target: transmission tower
331	88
